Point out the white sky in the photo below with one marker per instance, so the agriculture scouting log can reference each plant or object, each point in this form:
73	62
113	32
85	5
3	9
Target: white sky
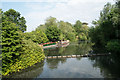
66	10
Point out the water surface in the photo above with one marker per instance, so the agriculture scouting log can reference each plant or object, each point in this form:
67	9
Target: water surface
82	67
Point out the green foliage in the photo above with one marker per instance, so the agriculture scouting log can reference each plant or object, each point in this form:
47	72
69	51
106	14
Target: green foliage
61	36
113	46
53	33
18	53
82	37
64	30
83	34
31	54
107	28
14	16
51	21
71	36
11	44
104	26
36	36
93	37
1	42
81	31
77	27
42	28
67	31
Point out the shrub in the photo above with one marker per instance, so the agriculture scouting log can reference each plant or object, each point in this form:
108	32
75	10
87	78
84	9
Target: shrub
37	36
31	54
11	44
113	46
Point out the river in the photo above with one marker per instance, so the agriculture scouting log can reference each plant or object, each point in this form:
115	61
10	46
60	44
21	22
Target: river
81	67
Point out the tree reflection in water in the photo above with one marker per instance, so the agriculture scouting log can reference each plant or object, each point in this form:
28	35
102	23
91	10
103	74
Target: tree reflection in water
75	48
109	65
53	63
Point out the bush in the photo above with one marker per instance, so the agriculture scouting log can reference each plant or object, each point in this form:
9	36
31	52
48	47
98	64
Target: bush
31	54
113	46
37	36
11	44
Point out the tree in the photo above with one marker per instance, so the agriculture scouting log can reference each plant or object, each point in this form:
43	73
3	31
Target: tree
67	31
53	33
107	28
11	44
104	26
14	16
36	36
117	19
78	26
42	28
18	53
51	21
1	13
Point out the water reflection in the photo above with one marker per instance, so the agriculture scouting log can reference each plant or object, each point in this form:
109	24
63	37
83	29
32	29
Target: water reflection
53	63
71	68
81	67
109	65
75	48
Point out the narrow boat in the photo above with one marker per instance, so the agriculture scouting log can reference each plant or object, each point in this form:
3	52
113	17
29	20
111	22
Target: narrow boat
55	44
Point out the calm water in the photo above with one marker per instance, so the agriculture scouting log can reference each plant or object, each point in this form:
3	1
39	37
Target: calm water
83	67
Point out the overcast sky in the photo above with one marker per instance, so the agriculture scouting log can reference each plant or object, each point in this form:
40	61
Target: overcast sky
36	11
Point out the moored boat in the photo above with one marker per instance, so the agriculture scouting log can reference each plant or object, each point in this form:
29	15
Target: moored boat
55	44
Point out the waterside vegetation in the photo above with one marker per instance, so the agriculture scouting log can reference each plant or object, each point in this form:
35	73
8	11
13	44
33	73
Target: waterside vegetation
21	49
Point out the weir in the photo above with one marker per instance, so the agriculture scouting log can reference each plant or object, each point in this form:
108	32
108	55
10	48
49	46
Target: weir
75	56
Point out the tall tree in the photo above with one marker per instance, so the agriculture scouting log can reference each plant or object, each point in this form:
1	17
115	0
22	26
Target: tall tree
67	31
11	44
107	28
117	17
42	28
53	33
15	17
77	26
51	21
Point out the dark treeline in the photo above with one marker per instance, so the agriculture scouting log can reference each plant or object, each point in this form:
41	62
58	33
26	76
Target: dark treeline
106	31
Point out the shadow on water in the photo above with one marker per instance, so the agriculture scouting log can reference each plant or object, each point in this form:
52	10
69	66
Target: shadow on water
109	65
